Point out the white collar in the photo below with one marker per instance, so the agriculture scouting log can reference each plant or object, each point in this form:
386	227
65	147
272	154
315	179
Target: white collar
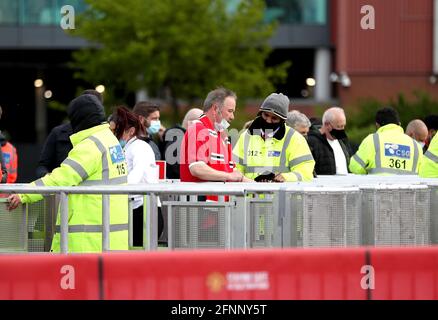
130	141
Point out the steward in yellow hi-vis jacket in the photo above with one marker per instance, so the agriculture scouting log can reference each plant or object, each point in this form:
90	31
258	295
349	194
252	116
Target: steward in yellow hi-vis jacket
429	166
389	150
269	146
96	159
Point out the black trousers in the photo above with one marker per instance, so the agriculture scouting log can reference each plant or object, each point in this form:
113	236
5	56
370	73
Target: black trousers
137	227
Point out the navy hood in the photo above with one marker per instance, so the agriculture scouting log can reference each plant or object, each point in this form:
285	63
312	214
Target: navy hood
85	112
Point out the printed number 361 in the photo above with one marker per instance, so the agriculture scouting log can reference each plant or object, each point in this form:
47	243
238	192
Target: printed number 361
397	164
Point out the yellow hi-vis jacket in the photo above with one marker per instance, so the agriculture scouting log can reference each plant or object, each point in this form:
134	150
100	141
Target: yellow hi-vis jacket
429	166
96	159
289	156
388	151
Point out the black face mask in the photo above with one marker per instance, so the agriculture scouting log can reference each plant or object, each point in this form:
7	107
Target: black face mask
270	126
338	134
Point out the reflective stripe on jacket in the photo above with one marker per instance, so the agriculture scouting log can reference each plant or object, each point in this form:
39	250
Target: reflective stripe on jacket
429	166
388	151
289	156
96	159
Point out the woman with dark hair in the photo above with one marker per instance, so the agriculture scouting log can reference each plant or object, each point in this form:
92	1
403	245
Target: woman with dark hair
141	163
149	115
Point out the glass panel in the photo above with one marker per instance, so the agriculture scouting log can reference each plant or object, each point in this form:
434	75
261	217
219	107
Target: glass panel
40	12
47	12
297	11
37	12
8	12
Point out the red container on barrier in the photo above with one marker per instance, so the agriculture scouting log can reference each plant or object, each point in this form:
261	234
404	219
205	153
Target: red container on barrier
162	169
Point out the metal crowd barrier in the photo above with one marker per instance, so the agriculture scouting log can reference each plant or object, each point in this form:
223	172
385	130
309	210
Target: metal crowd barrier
41	223
263	222
396	210
433	186
198	224
247	220
396	215
13	231
353	211
150	192
333	211
322	217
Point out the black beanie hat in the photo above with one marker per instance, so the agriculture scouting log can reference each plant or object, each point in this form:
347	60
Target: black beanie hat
85	111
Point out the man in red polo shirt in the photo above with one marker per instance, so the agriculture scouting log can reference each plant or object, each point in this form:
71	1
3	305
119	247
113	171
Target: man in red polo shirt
206	150
206	155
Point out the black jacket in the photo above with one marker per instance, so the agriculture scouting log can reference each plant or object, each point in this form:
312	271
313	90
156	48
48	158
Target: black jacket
172	139
55	150
323	153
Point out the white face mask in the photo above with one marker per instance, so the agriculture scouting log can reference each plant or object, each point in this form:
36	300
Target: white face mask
221	126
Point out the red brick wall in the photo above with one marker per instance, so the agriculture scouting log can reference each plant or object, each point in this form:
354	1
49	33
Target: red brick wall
401	43
396	57
385	88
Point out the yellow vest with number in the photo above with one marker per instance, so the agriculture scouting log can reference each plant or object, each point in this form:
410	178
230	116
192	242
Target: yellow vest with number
289	156
388	151
96	159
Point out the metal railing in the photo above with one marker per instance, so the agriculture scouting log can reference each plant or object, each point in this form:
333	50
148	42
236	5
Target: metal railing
329	211
150	192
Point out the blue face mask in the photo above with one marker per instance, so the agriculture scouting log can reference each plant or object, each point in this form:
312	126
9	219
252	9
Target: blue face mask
155	127
122	143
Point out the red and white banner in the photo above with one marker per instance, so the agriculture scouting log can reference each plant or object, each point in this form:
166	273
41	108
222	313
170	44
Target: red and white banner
359	274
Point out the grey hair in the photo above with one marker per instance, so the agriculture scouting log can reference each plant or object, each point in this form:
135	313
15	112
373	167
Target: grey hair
330	114
218	97
296	119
